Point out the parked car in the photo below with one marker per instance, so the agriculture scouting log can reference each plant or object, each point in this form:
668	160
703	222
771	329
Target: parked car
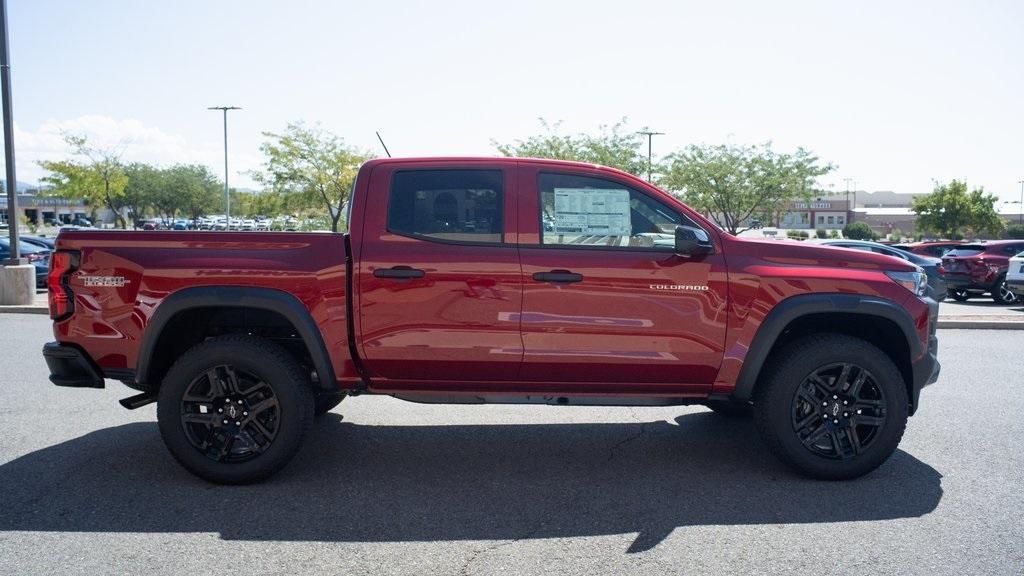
1015	275
40	241
935	249
248	224
81	222
36	256
180	224
931	266
448	290
152	224
974	269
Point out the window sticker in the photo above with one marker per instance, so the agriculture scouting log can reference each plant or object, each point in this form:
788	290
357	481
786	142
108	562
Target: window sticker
596	211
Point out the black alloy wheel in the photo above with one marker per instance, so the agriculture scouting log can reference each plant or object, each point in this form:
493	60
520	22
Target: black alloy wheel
838	411
230	415
234	409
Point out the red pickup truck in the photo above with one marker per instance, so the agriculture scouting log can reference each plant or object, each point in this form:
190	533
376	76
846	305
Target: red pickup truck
472	280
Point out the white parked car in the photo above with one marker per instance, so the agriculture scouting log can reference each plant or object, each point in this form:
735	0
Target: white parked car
1015	275
248	224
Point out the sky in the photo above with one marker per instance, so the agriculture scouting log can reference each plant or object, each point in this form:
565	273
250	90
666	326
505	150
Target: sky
897	95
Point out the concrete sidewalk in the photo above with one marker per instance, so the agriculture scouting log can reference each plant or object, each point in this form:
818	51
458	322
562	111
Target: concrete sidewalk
977	313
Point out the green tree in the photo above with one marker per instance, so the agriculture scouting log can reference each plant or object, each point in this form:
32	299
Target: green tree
313	164
734	183
614	146
859	231
97	176
952	212
144	184
190	189
1015	230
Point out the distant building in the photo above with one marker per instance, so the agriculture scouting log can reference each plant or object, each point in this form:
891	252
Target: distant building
45	209
824	213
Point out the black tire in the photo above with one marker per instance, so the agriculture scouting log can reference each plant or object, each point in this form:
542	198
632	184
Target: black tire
325	402
1001	293
855	444
731	409
250	373
958	295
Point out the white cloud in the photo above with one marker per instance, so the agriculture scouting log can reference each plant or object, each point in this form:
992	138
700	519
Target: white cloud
136	142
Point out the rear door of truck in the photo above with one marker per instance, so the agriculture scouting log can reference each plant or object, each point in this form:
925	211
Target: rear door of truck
438	278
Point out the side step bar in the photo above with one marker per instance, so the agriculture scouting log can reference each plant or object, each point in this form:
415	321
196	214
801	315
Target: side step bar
138	401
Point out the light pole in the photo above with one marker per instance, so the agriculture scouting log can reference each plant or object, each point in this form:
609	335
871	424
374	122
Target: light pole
1020	215
227	196
12	179
650	136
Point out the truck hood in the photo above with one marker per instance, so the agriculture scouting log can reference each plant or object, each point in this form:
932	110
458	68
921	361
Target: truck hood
795	253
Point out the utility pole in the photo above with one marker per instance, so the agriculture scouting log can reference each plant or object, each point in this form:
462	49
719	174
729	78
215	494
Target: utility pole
650	136
227	195
12	178
1020	214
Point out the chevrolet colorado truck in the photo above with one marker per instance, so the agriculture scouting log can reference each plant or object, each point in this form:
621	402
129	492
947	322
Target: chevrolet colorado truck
501	280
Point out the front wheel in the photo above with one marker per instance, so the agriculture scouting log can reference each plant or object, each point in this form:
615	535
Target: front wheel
1002	294
234	409
832	406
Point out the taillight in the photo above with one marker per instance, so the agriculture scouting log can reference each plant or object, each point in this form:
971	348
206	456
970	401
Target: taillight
62	302
942	270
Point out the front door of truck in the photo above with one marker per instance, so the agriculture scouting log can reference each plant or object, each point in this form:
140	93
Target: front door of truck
607	303
439	280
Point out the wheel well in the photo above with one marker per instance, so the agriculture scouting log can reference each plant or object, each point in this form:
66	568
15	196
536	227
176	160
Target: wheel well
879	331
190	327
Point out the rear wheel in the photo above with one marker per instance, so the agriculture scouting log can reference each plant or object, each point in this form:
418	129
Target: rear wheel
1002	294
958	295
832	406
234	409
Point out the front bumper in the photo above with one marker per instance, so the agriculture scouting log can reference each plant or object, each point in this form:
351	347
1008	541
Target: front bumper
926	368
1016	285
71	367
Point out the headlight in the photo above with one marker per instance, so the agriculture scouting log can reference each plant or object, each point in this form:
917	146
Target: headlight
916	282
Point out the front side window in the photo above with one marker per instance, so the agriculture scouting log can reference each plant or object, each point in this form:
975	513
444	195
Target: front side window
587	211
447	205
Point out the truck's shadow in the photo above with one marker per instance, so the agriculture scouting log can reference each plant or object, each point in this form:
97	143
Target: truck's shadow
424	483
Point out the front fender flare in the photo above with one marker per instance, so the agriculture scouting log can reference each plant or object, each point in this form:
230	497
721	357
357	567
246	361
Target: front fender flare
794	307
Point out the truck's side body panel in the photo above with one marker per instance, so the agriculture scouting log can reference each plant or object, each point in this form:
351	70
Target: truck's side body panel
124	277
459	321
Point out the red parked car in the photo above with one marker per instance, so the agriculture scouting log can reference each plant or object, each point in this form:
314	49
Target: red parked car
935	249
474	280
974	269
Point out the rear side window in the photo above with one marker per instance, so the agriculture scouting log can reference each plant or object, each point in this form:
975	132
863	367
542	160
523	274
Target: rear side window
965	251
1013	249
447	205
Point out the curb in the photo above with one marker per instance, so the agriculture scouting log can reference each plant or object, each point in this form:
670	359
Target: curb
30	309
979	325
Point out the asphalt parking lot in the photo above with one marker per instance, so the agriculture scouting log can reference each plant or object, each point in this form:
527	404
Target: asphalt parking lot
383	486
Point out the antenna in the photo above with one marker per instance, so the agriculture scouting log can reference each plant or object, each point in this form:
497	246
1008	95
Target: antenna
383	144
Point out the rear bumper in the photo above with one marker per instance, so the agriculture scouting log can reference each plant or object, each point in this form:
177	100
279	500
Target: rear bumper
926	369
965	282
71	367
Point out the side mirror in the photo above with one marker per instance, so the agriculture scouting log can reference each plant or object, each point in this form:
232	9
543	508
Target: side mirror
692	241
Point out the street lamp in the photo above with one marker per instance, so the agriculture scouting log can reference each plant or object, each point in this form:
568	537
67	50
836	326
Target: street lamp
227	196
650	136
1020	216
12	179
